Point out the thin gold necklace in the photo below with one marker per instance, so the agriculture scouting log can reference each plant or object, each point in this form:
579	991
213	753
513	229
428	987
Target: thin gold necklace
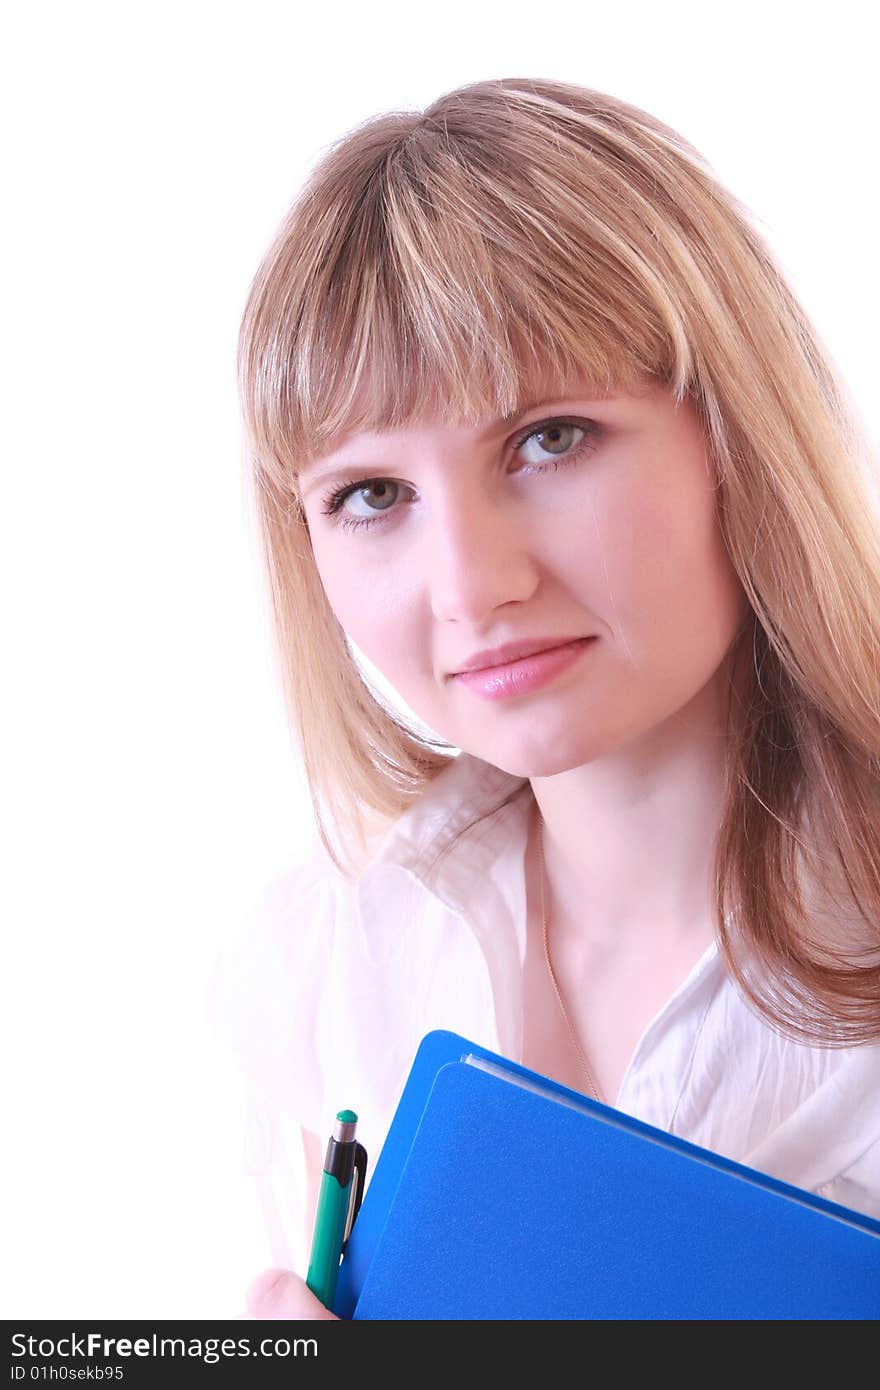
591	1087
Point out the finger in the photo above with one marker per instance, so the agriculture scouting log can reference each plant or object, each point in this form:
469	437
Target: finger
279	1293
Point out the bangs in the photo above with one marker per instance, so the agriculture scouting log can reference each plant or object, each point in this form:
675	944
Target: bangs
433	283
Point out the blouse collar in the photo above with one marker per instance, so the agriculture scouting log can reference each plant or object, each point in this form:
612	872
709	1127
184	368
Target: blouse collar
459	804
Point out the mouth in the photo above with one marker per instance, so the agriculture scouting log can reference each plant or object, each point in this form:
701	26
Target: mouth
511	652
526	673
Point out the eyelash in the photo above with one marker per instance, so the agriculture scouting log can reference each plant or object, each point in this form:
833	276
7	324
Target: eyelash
332	501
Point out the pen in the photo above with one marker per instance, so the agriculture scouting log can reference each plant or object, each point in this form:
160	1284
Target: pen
339	1199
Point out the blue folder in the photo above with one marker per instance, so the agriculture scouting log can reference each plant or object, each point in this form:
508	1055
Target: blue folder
501	1194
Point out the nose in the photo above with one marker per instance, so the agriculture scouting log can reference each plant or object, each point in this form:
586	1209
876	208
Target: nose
479	556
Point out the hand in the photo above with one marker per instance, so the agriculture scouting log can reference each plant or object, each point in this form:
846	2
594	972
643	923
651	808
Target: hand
279	1293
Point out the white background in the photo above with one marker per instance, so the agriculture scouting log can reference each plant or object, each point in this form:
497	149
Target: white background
150	784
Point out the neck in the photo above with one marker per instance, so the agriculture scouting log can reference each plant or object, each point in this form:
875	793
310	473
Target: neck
629	839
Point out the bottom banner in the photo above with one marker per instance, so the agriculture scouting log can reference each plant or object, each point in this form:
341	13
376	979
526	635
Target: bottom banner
254	1352
113	1353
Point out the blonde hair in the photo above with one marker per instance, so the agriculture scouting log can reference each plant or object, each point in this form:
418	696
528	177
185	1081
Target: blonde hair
516	236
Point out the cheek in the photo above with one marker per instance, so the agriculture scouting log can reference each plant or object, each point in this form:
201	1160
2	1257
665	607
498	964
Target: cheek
342	589
663	565
371	610
707	602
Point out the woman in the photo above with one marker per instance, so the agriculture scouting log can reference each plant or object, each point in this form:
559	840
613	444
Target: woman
518	373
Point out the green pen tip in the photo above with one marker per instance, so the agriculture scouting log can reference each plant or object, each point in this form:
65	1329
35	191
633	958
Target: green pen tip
348	1117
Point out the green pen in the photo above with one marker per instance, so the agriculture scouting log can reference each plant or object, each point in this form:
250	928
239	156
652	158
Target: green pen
342	1190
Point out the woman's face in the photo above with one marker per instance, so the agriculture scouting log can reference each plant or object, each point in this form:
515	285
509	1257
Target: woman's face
581	518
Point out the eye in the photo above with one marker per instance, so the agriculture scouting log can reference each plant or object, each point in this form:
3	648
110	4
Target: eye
554	437
559	442
385	489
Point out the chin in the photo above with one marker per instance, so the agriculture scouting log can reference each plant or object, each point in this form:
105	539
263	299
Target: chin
543	762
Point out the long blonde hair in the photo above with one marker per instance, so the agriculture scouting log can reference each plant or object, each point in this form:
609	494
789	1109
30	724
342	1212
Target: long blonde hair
517	235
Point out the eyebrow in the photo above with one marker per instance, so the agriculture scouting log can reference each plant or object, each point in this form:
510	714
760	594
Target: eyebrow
316	469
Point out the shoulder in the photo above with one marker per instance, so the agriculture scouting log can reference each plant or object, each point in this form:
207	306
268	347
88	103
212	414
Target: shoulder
858	1185
811	1117
271	962
266	984
848	1116
264	1000
294	913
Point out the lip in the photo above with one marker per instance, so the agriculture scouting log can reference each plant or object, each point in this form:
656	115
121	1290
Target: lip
496	657
528	674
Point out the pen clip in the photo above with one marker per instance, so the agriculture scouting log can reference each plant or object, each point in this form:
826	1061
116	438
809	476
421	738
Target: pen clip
357	1191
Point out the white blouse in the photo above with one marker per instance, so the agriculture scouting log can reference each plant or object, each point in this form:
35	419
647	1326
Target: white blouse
329	986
